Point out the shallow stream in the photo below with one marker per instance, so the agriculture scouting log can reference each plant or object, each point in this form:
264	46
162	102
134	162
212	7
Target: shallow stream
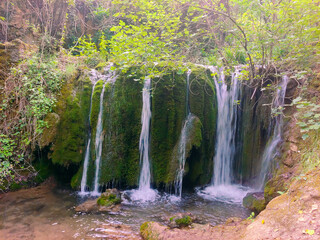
48	213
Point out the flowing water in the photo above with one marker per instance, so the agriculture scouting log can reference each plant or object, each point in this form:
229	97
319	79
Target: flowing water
270	151
87	154
95	76
184	136
222	187
98	144
145	192
48	213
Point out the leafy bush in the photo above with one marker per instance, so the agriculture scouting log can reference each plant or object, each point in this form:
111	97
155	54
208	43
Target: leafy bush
29	95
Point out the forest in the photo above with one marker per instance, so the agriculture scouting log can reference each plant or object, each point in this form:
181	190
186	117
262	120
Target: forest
159	119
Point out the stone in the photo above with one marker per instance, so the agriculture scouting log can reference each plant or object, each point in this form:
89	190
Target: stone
254	201
91	206
109	201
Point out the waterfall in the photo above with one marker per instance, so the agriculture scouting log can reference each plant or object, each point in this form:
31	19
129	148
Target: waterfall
98	144
87	154
145	175
95	76
226	129
182	142
222	187
270	151
182	155
145	193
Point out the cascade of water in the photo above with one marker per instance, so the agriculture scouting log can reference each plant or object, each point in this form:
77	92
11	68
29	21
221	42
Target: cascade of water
87	154
98	144
185	134
108	78
221	186
270	151
145	175
226	129
145	193
182	142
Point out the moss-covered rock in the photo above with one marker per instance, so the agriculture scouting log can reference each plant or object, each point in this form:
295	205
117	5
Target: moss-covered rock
122	125
255	202
108	200
147	233
49	133
253	131
73	109
122	111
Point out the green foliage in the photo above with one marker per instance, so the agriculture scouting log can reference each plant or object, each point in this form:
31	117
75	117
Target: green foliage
148	33
86	46
284	33
6	162
251	217
30	96
41	81
310	152
309	116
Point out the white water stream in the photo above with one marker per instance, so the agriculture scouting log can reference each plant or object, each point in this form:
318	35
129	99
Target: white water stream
271	150
182	155
222	186
95	76
87	154
145	192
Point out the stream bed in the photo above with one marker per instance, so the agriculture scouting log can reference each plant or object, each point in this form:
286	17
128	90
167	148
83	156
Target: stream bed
47	212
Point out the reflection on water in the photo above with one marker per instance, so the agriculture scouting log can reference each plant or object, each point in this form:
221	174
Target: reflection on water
48	213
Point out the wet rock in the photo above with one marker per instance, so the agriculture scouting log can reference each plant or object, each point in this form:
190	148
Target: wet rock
109	201
91	206
109	198
291	88
254	201
110	192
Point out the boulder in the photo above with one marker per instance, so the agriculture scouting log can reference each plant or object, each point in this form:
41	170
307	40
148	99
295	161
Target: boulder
109	201
254	201
91	206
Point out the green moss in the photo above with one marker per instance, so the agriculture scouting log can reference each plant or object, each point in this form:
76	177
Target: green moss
95	107
122	113
254	204
184	221
146	232
73	109
168	113
76	179
122	125
109	200
203	104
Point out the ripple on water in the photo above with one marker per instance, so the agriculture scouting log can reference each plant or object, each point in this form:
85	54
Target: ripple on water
59	208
